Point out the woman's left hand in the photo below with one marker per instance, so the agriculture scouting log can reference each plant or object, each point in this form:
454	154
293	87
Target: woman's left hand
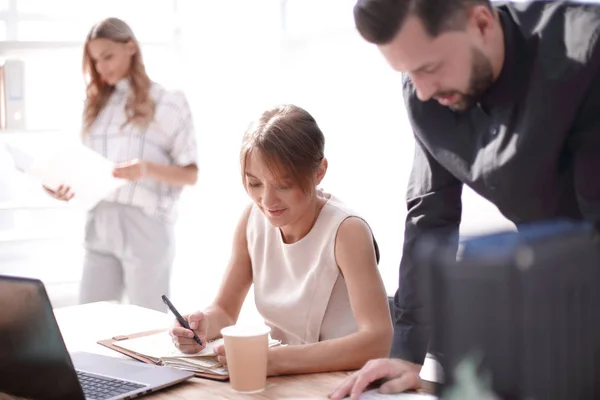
133	170
222	358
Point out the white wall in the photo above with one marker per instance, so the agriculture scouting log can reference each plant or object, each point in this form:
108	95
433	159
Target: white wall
233	60
237	67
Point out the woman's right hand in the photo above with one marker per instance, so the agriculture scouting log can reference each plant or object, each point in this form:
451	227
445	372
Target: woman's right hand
184	338
63	193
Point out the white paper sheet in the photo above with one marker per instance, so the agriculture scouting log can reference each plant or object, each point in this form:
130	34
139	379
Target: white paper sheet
87	173
161	345
23	160
375	395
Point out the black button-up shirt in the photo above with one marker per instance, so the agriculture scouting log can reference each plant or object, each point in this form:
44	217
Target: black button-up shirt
531	145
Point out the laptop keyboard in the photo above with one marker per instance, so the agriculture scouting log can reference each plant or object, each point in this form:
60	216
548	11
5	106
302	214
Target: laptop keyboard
100	387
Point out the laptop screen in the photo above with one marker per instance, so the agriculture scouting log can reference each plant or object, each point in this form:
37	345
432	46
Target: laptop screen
34	362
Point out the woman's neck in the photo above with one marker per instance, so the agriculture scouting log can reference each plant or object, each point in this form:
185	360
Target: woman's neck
296	230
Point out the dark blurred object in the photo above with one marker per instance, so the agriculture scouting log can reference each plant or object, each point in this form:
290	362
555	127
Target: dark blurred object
523	306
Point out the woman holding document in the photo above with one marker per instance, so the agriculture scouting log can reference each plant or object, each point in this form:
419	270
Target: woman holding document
148	132
311	259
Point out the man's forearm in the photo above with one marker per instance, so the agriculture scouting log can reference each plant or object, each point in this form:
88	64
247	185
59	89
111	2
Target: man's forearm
412	320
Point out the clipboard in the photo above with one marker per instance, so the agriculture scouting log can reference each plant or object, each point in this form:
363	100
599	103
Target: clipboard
110	343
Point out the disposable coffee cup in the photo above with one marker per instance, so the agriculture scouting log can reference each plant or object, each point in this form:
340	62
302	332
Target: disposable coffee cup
246	350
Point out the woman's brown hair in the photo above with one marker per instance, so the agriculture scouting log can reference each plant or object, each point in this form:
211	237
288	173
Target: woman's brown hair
289	140
140	107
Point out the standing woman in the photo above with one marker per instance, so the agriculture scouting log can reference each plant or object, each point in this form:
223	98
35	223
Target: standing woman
148	132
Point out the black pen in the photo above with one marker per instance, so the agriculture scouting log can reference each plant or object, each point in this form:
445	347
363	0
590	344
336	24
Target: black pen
180	319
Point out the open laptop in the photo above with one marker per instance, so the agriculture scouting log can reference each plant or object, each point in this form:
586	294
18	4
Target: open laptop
35	363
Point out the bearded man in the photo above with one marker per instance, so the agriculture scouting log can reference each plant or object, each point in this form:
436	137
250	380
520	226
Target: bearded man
504	98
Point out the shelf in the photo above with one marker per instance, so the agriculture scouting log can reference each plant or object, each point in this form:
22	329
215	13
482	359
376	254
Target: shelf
10	134
11	46
15	236
19	46
34	205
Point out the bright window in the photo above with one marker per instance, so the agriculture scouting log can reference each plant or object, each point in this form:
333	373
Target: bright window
233	60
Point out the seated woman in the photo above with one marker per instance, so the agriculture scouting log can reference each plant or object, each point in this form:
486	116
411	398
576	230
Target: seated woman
312	260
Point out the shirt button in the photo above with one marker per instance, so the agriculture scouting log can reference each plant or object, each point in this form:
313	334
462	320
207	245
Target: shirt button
494	131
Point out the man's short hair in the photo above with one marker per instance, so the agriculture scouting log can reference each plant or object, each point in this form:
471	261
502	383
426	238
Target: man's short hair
378	21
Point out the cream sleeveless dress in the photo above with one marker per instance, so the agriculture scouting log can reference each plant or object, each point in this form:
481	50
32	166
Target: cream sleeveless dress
298	287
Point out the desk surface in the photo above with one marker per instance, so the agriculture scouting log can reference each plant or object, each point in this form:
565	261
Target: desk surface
82	326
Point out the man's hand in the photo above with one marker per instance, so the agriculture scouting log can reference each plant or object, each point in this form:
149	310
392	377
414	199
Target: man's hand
399	375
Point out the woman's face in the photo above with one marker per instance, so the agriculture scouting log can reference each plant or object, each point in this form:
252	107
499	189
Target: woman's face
280	199
111	59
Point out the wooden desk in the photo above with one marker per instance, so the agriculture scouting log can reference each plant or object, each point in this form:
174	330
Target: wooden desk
82	326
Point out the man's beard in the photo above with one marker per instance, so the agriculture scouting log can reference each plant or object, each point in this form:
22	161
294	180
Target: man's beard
482	77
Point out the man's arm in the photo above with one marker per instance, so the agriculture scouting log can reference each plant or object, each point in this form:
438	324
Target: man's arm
585	148
434	208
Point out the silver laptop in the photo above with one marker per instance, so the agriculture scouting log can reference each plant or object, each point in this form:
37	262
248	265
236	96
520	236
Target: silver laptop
35	363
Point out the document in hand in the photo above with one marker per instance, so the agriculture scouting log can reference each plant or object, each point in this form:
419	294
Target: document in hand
160	349
72	164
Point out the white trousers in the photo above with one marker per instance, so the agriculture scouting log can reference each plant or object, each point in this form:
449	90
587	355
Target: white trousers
128	253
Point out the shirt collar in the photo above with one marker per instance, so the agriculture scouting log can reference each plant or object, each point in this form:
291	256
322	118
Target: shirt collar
505	89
